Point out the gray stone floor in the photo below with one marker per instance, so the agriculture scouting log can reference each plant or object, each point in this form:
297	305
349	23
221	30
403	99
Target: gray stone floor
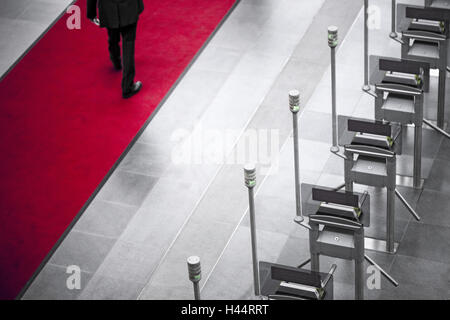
180	191
22	22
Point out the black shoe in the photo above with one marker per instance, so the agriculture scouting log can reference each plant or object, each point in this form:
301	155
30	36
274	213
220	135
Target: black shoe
134	89
117	63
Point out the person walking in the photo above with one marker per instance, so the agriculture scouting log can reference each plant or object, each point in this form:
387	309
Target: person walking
120	18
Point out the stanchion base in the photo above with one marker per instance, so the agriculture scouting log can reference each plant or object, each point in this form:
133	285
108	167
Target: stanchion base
378	245
302	222
393	35
408	181
366	88
334	149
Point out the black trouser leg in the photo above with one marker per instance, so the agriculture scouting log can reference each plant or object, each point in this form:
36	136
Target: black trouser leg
128	40
113	44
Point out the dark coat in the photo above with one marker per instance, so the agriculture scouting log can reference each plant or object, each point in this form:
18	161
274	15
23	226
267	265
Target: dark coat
115	13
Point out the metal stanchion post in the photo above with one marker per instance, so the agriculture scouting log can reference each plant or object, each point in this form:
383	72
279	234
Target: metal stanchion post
332	43
250	182
441	97
393	34
294	106
195	274
366	86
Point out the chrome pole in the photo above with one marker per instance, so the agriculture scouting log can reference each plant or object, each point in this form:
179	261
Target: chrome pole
366	86
332	43
384	273
431	125
393	34
441	98
250	182
417	170
407	205
195	274
294	106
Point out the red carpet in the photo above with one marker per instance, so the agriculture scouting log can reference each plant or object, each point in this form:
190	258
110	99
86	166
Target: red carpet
64	124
